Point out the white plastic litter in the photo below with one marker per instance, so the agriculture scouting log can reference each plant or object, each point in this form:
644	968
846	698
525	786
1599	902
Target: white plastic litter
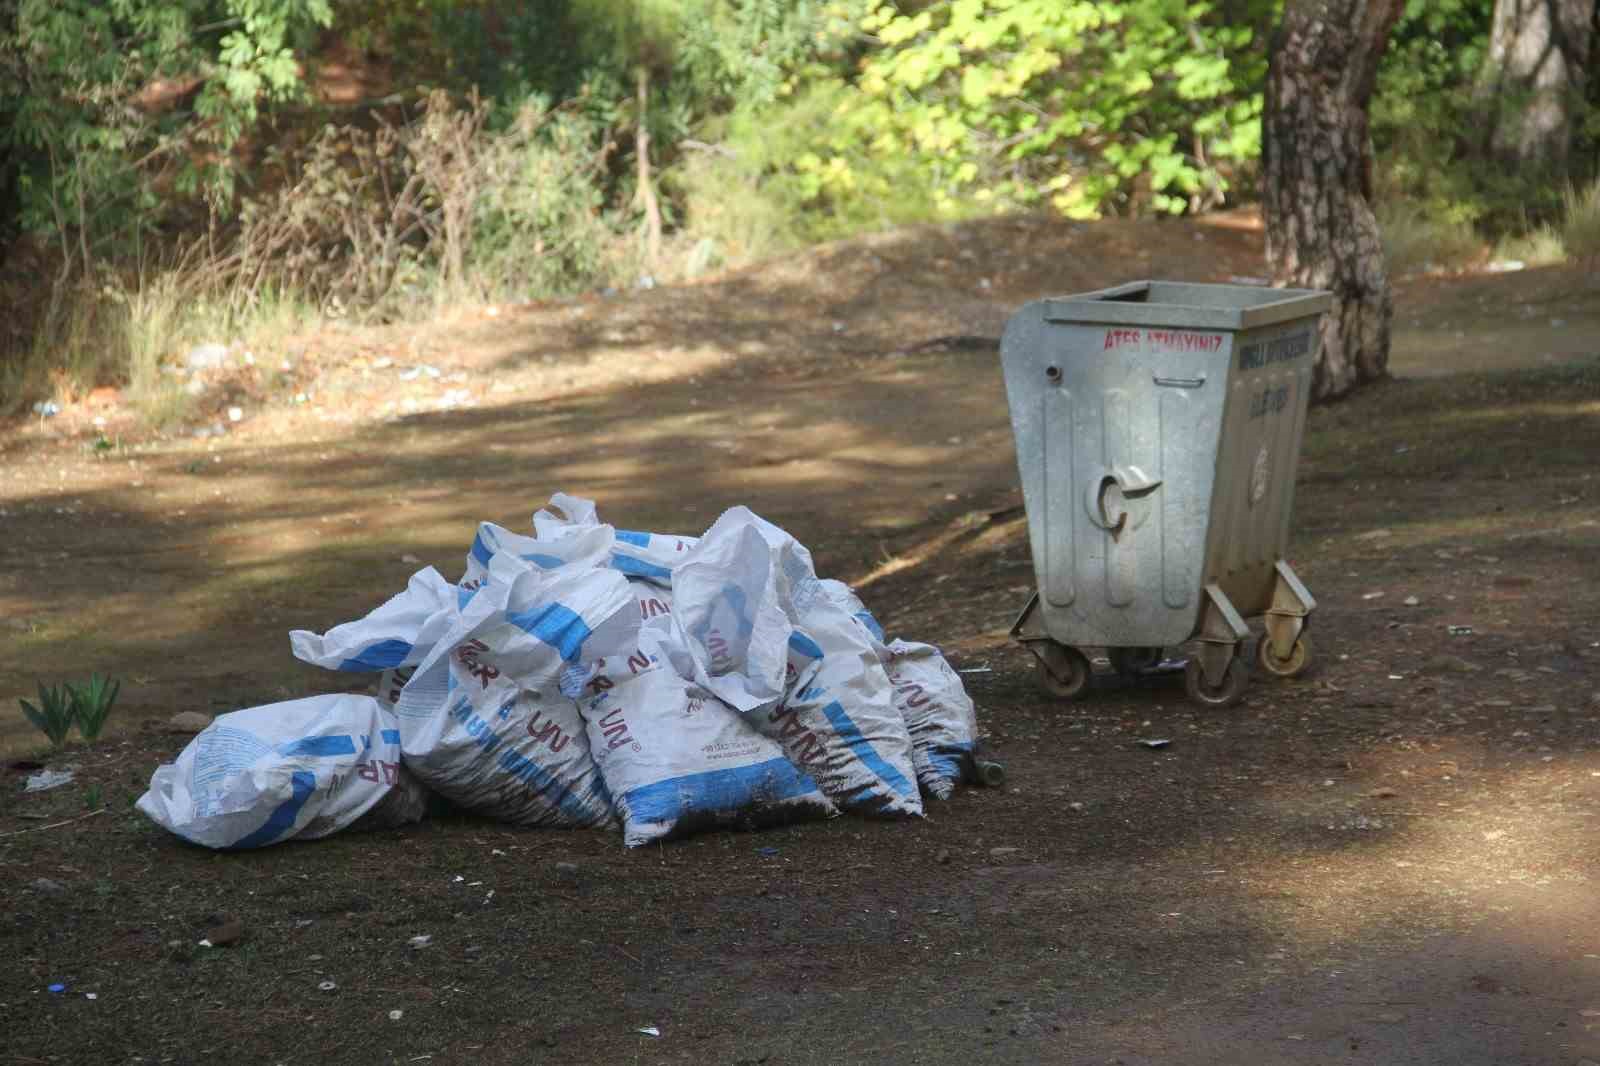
405	804
937	711
648	556
678	760
400	633
47	779
585	549
489	719
305	768
844	596
586	675
839	722
835	716
727	593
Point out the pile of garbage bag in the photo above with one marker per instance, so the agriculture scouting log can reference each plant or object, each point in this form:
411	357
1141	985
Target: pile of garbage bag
591	677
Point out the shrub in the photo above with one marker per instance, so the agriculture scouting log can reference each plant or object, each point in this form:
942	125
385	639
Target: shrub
442	207
1415	242
1540	246
538	223
1580	230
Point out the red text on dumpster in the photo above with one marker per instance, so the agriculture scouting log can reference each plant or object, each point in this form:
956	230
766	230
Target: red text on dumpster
1168	340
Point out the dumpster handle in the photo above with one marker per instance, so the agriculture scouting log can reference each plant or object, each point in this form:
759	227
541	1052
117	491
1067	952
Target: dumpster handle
1180	383
1132	484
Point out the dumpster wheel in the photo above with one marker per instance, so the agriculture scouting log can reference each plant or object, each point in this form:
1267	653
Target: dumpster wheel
1293	666
1061	671
1227	694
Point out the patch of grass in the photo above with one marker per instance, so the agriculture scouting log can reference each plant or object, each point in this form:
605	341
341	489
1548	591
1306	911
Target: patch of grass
75	345
1542	246
1580	230
1415	242
132	330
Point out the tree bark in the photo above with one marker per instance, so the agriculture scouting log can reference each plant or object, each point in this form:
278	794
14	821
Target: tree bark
647	191
1532	75
1321	232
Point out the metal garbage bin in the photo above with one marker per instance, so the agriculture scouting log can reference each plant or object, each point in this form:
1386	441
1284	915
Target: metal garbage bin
1158	427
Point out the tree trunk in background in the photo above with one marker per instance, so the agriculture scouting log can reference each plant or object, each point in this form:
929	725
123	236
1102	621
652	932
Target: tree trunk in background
1317	158
647	191
1533	75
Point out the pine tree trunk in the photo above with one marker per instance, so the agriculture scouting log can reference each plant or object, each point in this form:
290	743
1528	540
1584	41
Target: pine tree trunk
1321	232
647	191
1533	74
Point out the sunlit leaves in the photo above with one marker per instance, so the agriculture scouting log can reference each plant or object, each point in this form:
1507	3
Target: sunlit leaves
105	97
1087	105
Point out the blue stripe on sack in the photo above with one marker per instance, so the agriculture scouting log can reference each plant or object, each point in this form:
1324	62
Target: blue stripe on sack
850	733
866	619
572	678
281	820
869	797
558	626
740	605
799	642
726	791
480	550
637	539
734	596
390	736
949	758
544	562
543	781
379	656
639	568
319	747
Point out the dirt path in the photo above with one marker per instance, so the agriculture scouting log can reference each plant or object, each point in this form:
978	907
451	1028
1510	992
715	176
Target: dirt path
1391	861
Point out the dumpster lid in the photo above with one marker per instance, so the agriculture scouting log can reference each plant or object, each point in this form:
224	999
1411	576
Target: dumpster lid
1189	305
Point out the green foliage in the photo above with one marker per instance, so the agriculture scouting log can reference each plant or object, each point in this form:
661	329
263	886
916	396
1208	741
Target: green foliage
91	705
1416	242
117	108
1580	228
54	714
1540	246
374	221
60	707
1431	118
538	221
802	173
507	52
1087	106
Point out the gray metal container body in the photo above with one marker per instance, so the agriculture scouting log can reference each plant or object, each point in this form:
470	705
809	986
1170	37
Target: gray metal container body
1178	409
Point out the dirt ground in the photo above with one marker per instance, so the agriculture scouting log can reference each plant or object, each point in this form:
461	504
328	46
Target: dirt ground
1393	859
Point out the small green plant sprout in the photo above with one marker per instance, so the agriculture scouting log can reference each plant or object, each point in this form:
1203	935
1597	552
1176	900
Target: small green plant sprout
55	713
92	799
91	705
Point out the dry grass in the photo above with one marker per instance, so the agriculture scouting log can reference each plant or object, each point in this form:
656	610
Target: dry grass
1542	246
1416	243
1580	230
